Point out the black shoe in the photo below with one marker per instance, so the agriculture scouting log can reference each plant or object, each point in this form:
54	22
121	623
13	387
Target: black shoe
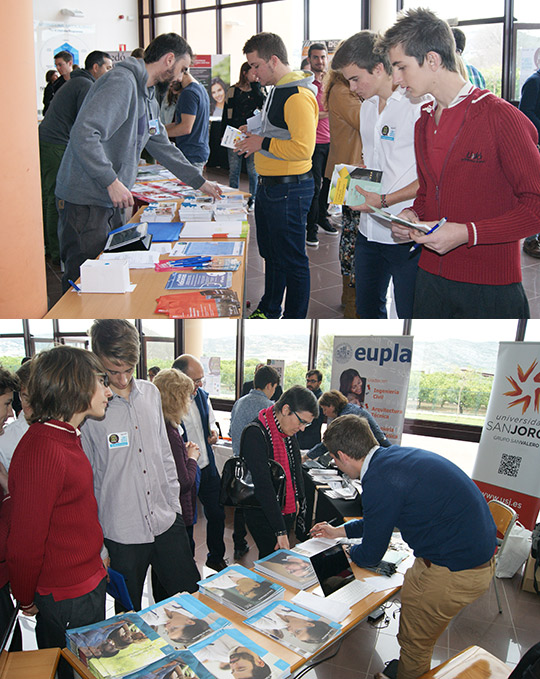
311	238
389	672
531	247
239	553
326	226
218	565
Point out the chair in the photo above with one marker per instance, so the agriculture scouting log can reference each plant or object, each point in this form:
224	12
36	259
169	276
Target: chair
505	518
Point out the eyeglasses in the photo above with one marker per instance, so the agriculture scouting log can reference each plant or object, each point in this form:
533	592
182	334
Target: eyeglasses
302	422
312	380
105	378
199	382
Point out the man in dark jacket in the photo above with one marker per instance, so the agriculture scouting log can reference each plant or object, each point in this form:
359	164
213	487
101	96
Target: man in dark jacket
54	133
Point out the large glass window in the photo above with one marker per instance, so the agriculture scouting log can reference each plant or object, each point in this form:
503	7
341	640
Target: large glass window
158	343
527	56
277	341
484	51
239	24
461	9
452	368
286	18
340	23
201	32
215	343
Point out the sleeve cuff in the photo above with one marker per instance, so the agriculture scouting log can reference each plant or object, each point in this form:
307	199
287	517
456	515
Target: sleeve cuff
473	234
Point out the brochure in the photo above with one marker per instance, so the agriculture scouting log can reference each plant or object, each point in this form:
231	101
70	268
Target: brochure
200	304
240	589
231	136
303	631
289	567
389	217
182	620
229	654
224	248
346	178
196	280
178	665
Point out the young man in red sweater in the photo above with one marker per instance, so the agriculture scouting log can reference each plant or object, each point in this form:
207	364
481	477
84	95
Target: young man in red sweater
478	167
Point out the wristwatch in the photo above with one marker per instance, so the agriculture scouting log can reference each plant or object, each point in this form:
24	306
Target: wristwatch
281	532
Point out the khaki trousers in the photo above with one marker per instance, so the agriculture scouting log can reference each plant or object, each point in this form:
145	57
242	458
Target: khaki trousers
430	598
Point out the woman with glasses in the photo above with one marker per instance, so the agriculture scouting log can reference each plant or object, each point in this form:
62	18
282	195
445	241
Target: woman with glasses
55	539
272	435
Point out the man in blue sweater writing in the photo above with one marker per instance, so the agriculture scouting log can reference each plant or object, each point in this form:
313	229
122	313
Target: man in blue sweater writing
442	516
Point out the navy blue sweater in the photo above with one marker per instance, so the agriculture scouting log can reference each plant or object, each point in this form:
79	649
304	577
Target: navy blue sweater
439	510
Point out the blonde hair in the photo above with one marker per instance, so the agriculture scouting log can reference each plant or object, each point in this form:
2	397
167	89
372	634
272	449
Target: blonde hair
176	389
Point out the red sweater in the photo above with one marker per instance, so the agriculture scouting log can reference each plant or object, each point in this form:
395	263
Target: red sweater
490	181
55	538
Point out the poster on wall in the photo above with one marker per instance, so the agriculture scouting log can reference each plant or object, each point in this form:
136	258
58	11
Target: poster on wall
507	466
51	37
212	374
213	71
374	372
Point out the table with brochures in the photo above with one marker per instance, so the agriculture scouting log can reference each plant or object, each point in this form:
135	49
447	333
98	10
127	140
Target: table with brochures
141	303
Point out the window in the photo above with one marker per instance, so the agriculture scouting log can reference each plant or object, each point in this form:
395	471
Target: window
452	368
158	343
239	24
340	23
286	341
215	340
286	18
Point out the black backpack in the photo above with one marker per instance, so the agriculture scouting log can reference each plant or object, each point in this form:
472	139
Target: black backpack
535	551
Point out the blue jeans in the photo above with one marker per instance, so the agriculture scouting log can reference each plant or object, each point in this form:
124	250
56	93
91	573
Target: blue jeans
280	216
375	264
235	166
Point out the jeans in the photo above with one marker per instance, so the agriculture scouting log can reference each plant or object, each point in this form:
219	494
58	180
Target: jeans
50	157
319	203
235	166
82	232
375	264
280	218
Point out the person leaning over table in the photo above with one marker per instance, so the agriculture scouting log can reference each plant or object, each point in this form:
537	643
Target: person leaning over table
333	404
442	516
272	435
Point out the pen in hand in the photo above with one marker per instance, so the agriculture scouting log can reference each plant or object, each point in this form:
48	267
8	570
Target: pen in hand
437	226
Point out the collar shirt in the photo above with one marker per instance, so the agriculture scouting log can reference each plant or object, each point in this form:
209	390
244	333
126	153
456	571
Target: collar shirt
135	479
388	145
9	440
195	432
441	136
367	460
244	411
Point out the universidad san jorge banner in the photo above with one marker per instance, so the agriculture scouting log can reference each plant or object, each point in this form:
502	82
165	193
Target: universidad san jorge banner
507	466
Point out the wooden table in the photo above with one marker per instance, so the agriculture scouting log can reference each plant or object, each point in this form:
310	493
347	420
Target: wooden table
140	303
29	664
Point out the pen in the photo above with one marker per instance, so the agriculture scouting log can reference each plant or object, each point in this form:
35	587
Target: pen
330	523
417	245
75	287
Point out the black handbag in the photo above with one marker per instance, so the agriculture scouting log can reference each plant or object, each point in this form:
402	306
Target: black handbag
237	489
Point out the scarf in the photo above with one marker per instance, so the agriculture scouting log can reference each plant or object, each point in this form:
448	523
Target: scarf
283	453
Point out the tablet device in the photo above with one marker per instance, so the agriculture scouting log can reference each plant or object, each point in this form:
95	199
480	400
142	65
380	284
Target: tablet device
129	237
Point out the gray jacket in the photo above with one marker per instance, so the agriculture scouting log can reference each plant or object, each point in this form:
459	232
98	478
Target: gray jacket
110	132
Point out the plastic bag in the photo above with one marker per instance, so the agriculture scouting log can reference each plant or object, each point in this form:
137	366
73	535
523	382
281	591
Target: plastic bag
516	550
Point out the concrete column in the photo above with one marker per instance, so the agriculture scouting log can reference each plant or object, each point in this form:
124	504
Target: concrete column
23	291
194	338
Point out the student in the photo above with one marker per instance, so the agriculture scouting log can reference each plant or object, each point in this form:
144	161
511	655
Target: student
387	119
443	517
478	167
135	478
55	540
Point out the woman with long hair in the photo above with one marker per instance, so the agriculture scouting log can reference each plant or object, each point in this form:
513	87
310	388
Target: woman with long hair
272	435
242	100
217	90
343	108
352	386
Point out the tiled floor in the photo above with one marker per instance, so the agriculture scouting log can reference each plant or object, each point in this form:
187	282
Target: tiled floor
366	649
326	282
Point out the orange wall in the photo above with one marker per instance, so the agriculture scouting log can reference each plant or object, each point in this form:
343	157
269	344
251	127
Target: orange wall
23	292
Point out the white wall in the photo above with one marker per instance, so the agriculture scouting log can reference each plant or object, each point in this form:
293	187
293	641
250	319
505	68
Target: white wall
103	30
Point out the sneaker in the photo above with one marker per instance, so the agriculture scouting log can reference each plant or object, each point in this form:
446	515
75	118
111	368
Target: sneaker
217	565
326	226
531	247
239	553
389	672
258	314
312	240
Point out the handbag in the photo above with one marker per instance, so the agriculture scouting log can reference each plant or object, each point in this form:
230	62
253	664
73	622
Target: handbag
237	489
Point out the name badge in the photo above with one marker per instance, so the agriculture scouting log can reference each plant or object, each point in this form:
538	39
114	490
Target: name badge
388	133
120	440
153	126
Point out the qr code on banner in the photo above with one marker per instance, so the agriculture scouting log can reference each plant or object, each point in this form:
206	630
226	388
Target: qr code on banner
509	465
